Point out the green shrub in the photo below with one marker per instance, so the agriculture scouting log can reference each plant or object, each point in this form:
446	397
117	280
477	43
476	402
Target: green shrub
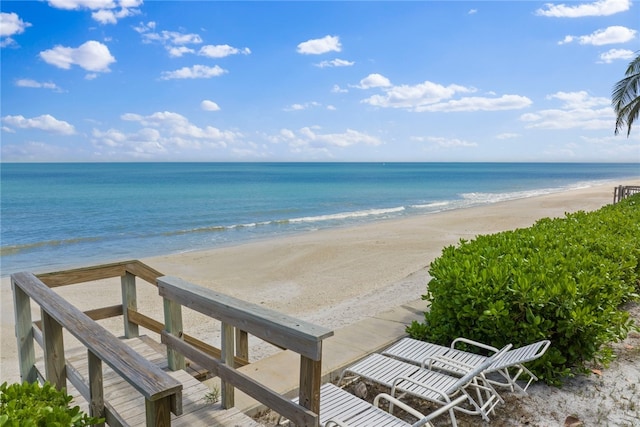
31	405
562	279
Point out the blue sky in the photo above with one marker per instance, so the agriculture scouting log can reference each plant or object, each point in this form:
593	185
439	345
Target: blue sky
127	80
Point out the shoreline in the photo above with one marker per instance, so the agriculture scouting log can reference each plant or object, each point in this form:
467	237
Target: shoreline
65	254
332	277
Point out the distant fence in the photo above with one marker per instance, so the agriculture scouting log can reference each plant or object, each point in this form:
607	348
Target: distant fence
623	191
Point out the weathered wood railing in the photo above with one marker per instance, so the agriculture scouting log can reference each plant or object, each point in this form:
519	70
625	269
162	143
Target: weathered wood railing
162	393
623	191
238	319
128	271
277	328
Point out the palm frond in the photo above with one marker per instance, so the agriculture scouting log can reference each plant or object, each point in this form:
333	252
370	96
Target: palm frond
625	97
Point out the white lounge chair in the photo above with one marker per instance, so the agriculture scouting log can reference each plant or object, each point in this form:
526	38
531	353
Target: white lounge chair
339	408
450	359
434	386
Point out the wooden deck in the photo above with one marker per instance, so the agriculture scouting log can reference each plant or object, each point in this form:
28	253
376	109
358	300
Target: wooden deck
130	405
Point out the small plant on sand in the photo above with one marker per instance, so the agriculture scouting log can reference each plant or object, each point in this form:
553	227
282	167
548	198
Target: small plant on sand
30	404
212	396
563	279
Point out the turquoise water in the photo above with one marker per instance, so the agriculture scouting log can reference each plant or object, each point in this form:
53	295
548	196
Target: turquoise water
57	216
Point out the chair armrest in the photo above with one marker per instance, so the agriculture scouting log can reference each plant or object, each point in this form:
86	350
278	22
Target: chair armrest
456	365
474	343
396	402
426	420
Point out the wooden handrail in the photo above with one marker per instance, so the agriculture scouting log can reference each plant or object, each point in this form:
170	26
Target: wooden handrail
298	415
135	269
151	381
280	329
98	272
155	326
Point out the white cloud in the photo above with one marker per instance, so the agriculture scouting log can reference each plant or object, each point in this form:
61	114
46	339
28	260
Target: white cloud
144	28
172	38
221	51
320	46
11	24
305	106
581	99
178	51
374	80
37	85
579	110
477	103
45	122
106	11
143	144
310	140
82	4
92	56
178	126
450	142
348	138
507	135
338	89
130	3
209	105
597	8
194	72
335	63
175	42
165	135
472	11
413	97
609	35
615	54
105	16
431	97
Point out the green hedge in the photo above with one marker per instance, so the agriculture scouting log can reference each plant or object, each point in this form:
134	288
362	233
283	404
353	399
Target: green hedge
33	405
562	279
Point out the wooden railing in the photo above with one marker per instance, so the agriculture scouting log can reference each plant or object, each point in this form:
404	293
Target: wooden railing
623	191
128	271
238	319
162	393
237	315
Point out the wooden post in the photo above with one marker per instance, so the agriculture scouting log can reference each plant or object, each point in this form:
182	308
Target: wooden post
96	390
54	362
227	349
158	412
129	302
24	334
242	344
310	382
173	325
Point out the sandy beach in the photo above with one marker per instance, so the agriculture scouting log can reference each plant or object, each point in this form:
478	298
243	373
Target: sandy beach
331	277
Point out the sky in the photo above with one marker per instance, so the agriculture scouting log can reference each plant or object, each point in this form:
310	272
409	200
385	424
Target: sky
423	81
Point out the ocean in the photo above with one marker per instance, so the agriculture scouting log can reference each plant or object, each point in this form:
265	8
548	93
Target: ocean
62	215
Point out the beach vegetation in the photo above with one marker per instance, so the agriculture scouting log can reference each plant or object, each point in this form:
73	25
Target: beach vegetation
625	97
213	395
35	405
563	279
